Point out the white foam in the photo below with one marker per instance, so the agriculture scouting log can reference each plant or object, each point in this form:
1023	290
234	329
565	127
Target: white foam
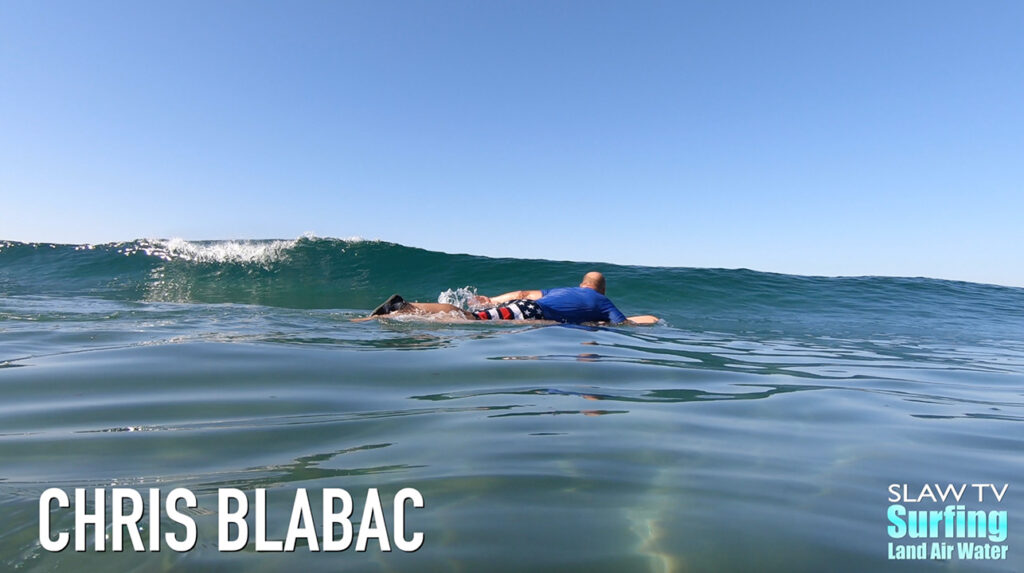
311	236
463	297
251	252
228	251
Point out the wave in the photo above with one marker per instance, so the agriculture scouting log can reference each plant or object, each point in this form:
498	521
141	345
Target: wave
331	273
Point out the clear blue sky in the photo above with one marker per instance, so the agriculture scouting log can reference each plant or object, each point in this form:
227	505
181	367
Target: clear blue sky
801	137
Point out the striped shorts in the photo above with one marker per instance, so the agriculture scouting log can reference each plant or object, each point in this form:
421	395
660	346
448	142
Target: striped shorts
512	310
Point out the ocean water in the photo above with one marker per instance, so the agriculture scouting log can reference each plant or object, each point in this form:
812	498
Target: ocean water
757	427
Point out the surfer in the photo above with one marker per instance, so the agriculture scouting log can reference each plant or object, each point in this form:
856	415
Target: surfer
584	303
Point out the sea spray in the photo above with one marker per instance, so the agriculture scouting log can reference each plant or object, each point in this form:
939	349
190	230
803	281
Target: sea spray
462	297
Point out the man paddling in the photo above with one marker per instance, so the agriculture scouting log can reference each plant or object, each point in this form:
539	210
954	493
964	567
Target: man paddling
574	305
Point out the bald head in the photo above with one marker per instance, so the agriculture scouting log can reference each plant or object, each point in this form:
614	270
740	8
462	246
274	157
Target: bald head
594	280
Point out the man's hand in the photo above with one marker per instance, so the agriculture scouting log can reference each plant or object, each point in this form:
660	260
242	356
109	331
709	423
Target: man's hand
642	319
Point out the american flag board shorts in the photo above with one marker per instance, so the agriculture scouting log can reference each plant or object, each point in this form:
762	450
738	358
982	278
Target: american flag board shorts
512	310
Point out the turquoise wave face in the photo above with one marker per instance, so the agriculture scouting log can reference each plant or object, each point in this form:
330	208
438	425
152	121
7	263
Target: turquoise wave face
327	273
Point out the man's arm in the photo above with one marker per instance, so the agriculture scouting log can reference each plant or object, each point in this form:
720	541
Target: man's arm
509	296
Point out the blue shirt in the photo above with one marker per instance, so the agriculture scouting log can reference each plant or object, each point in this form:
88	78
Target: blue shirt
578	304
